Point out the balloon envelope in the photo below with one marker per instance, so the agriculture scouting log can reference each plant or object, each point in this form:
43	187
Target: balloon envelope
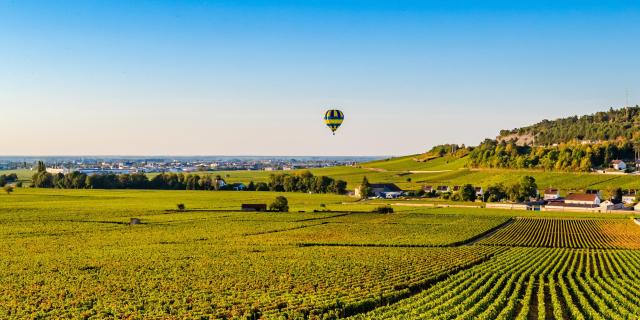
333	119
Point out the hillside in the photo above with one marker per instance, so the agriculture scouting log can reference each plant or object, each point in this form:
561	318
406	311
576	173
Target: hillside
609	125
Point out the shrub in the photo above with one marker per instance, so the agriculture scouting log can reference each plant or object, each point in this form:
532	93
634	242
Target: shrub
181	206
8	189
280	204
384	209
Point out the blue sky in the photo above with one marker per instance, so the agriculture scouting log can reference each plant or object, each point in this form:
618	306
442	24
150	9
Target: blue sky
254	77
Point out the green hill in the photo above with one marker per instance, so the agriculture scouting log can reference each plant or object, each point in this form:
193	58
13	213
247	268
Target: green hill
608	125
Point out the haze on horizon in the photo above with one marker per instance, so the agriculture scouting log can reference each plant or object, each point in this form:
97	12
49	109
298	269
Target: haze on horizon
254	78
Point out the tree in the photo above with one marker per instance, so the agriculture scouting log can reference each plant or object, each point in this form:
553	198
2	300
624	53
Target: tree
468	193
616	196
528	188
280	204
8	189
365	188
495	193
41	167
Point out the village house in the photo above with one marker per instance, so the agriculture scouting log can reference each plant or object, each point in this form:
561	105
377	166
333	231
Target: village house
382	190
551	194
619	165
609	205
479	192
443	189
457	188
582	199
427	189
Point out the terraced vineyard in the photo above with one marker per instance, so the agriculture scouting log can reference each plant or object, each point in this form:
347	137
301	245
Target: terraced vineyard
568	233
532	283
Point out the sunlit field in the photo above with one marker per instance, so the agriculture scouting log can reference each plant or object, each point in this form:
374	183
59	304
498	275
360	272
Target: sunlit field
73	253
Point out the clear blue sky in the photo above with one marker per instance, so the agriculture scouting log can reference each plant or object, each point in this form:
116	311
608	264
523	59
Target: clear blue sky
254	77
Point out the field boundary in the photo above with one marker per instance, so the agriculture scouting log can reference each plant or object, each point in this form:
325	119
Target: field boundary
411	290
469	241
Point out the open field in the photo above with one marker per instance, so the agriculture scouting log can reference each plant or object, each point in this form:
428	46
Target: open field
72	253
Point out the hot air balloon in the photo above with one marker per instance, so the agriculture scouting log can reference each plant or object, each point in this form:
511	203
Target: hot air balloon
333	118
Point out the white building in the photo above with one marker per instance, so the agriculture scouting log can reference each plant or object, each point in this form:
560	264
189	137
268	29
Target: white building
551	194
619	165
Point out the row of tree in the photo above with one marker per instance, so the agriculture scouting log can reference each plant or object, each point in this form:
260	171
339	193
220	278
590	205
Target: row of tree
301	182
8	178
572	156
305	181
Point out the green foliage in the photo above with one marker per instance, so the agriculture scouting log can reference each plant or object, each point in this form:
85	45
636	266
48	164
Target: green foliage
280	204
365	188
570	156
8	189
468	193
181	206
601	126
383	209
305	181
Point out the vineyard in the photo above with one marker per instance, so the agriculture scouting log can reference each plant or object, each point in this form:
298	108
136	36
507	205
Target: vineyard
532	283
568	233
72	254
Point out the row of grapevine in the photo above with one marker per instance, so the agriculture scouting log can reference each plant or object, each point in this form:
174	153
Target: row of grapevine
208	280
568	233
529	283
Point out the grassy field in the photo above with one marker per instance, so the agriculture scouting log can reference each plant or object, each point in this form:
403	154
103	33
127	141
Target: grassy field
73	254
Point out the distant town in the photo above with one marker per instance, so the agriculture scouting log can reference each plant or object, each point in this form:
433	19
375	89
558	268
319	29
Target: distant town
128	165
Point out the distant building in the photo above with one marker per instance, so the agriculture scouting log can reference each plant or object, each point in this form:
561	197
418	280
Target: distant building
236	186
479	192
57	170
551	194
382	190
619	165
443	189
608	205
457	188
254	207
427	189
583	199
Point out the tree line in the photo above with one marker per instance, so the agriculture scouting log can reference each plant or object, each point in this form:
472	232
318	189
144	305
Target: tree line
8	178
301	182
601	126
571	156
305	181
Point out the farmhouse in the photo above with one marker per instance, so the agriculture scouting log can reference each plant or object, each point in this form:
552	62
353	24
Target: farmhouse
427	189
382	190
254	207
583	199
457	188
608	205
551	194
479	192
443	189
619	165
385	190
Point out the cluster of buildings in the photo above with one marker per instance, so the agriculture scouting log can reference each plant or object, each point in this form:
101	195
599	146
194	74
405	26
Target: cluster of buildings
130	165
